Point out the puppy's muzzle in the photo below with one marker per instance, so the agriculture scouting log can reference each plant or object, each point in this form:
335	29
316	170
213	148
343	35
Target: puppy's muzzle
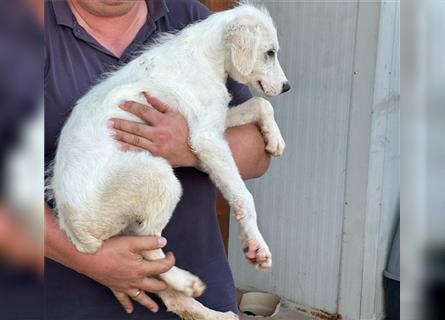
286	87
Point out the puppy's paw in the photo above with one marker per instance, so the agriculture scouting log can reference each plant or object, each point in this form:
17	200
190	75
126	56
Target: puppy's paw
187	283
226	316
257	253
274	141
197	311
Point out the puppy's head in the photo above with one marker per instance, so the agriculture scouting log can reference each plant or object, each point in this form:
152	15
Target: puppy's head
251	51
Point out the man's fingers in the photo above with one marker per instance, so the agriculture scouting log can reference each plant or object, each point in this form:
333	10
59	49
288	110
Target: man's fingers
132	139
152	285
156	267
142	243
147	302
158	105
146	113
136	128
124	300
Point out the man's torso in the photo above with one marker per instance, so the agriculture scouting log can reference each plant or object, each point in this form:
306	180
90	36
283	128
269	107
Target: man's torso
74	63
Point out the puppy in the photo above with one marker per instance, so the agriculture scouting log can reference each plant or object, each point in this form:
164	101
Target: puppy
101	191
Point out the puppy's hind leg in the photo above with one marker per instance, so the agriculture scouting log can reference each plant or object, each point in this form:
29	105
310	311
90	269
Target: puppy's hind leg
178	279
161	193
87	229
189	309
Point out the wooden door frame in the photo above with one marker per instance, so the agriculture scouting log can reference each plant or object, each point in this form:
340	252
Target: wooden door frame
218	5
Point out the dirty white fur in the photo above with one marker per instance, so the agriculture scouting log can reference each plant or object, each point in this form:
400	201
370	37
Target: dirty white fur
101	191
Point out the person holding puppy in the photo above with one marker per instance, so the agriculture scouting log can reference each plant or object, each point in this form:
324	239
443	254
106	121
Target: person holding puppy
84	40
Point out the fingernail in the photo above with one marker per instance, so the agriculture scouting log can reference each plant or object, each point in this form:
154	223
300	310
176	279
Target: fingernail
154	310
122	105
162	241
129	310
113	133
110	123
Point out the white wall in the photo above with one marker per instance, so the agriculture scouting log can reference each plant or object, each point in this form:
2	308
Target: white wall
383	189
334	120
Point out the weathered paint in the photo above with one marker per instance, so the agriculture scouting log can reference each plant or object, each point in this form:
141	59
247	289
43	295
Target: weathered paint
300	200
316	205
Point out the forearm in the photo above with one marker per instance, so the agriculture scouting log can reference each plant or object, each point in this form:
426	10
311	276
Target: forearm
248	149
118	264
57	245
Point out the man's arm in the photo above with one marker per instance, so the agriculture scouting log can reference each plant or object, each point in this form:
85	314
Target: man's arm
117	264
165	134
248	149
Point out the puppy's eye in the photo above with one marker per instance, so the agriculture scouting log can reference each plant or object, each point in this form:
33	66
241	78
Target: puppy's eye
270	53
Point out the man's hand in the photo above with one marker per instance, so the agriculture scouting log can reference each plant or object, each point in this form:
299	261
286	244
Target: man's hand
118	264
164	133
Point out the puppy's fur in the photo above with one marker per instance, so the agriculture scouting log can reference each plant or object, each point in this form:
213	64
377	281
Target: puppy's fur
101	191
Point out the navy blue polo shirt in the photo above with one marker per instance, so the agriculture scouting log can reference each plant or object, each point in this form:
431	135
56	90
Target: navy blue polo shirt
75	61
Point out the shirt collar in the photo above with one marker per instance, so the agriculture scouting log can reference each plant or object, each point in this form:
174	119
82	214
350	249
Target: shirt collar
63	13
156	9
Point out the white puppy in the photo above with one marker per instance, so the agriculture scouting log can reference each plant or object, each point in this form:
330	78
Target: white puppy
101	191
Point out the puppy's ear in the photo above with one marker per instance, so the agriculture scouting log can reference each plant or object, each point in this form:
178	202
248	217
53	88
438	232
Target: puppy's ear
242	39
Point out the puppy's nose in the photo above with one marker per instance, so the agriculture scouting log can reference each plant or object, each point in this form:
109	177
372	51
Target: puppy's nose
286	87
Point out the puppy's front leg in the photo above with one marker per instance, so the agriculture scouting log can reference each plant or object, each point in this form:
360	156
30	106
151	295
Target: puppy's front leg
258	110
216	159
